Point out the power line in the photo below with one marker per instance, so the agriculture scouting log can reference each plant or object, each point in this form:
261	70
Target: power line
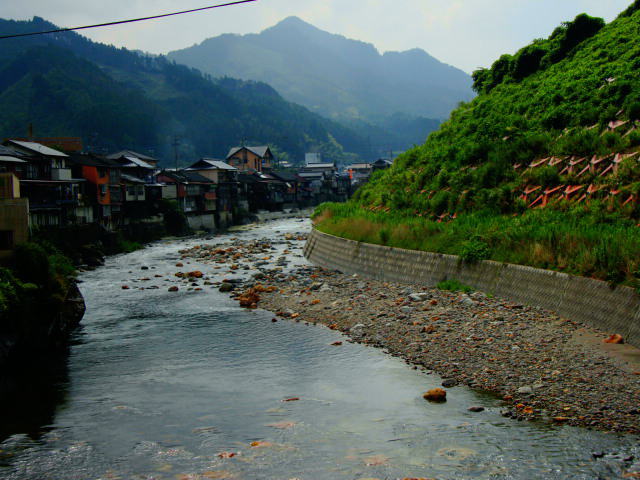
238	2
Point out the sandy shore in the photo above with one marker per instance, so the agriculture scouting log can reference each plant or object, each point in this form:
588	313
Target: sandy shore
543	367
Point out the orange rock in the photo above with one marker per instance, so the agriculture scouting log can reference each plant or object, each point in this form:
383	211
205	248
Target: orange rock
292	399
196	274
615	339
173	289
179	265
561	419
435	395
227	454
261	444
125	287
336	344
315	302
528	410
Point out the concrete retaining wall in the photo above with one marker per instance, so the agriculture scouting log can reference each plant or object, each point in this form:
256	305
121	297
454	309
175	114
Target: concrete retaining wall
577	298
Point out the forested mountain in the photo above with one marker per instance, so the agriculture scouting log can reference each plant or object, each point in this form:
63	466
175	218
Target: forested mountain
335	76
542	167
65	85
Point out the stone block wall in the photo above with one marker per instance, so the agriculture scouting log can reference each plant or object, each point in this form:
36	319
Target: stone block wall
581	299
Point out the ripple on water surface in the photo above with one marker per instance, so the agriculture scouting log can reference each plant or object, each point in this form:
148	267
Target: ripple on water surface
188	386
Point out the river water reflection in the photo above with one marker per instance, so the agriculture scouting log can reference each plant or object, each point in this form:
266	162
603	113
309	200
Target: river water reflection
159	384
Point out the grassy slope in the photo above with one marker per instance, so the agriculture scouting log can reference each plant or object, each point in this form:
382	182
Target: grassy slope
467	166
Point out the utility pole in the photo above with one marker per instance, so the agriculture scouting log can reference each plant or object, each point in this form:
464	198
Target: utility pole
176	144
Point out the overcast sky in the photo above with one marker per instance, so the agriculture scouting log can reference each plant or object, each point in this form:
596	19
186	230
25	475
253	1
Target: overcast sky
464	33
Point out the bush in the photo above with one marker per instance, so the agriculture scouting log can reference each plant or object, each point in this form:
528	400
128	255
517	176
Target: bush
175	221
32	264
474	251
454	286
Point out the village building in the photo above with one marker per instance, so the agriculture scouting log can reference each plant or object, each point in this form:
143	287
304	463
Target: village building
46	180
102	190
196	196
250	158
262	191
226	179
14	215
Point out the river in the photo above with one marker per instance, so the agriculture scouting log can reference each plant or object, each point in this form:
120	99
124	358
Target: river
158	384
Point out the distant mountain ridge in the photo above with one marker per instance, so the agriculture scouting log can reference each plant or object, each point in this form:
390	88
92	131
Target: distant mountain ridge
333	75
67	85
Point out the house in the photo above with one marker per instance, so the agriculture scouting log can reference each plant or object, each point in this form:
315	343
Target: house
196	196
46	180
226	179
132	156
381	164
102	190
14	215
137	165
359	173
262	191
250	158
293	185
310	158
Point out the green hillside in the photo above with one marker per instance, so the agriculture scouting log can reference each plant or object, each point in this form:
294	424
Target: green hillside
550	118
66	85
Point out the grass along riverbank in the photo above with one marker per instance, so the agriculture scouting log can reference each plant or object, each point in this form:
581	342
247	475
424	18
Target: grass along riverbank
580	241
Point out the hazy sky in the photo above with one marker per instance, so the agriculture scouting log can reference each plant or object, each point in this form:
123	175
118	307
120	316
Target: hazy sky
464	33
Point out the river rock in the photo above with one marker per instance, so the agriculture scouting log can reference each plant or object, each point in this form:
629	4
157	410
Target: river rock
466	301
226	287
525	390
449	383
476	409
435	395
419	297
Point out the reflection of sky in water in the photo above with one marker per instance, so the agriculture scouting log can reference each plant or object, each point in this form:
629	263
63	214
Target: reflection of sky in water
161	383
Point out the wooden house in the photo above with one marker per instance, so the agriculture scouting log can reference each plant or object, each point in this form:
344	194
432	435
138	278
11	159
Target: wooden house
225	178
250	158
46	180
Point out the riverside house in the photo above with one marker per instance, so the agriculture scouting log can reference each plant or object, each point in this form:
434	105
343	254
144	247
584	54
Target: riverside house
196	196
102	189
225	178
46	180
250	158
14	215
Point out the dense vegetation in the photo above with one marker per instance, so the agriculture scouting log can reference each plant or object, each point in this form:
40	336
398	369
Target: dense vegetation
340	78
556	96
66	85
34	289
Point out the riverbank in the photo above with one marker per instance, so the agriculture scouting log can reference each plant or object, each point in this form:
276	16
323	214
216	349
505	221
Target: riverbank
542	366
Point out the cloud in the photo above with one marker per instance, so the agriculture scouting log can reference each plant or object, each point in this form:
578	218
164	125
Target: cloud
464	33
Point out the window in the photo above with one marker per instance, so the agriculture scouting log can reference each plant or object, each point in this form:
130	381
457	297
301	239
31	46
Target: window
6	239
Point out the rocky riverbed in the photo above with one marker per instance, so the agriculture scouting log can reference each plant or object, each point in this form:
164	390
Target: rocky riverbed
532	359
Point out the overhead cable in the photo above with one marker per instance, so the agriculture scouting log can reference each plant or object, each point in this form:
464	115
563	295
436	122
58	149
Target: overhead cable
229	4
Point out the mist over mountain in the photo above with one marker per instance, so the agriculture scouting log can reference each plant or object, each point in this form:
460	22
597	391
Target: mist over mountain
333	75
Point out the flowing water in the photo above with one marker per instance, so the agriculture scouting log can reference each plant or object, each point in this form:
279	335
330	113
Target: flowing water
158	384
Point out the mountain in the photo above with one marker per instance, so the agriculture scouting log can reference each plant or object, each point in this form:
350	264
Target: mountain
333	75
66	85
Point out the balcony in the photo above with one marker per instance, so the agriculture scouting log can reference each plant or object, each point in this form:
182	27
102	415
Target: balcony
60	174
